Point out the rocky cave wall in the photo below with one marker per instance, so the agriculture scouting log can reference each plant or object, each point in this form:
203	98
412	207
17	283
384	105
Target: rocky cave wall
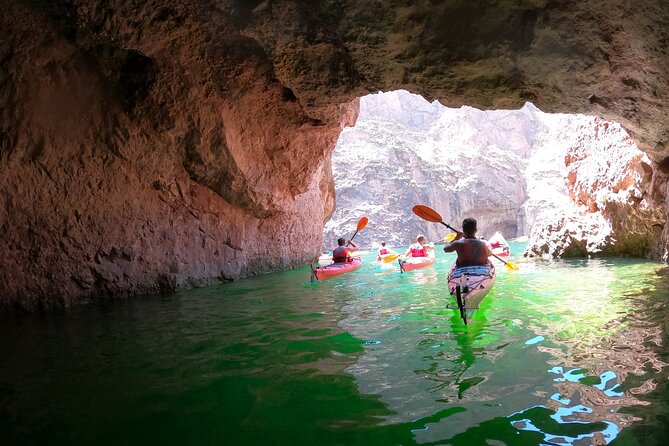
150	145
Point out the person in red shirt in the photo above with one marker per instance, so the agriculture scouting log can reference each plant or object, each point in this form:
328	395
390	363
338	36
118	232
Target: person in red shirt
341	253
418	249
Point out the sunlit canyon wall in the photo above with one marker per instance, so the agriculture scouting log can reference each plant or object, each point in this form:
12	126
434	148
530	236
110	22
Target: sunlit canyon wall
566	180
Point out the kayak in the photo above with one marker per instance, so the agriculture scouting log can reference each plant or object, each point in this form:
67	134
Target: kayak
469	285
499	245
412	263
335	269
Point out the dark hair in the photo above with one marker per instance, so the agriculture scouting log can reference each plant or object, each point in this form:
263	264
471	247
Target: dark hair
341	241
469	225
383	243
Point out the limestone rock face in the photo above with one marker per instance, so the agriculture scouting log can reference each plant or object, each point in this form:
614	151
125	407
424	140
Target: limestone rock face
147	145
405	151
572	181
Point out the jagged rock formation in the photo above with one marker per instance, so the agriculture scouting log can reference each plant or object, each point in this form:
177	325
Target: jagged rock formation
147	145
603	204
405	150
515	171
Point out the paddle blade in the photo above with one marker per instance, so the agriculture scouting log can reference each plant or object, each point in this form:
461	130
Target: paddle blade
390	258
450	237
511	266
427	213
361	224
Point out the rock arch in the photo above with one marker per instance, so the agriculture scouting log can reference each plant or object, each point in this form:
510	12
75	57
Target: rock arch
150	145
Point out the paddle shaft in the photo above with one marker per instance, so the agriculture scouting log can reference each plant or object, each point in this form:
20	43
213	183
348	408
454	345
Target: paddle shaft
453	229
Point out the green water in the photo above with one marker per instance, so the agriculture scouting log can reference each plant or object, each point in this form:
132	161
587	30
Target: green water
561	352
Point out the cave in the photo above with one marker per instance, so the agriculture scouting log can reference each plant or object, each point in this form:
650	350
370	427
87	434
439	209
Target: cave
146	147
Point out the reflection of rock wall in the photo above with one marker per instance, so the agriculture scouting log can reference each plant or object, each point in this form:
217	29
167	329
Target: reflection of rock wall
578	182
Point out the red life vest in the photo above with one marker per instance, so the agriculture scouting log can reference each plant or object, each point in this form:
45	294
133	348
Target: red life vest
383	251
340	254
415	252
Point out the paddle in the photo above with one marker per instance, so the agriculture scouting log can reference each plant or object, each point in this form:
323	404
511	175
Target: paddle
429	214
361	225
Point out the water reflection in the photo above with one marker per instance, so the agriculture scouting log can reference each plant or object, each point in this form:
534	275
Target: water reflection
560	352
581	330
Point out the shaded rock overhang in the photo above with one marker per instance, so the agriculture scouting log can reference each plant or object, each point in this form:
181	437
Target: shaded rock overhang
150	145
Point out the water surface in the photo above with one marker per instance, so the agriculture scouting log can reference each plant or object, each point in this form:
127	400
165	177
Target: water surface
561	352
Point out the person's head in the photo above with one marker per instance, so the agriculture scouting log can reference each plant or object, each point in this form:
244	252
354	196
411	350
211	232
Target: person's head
383	243
341	242
420	239
469	227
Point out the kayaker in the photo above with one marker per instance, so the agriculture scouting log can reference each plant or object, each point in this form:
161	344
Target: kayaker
383	249
341	253
418	249
471	251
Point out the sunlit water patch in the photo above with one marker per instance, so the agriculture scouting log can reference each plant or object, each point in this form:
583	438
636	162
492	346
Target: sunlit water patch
560	352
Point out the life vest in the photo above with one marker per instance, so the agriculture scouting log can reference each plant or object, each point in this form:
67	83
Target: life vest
383	251
418	252
340	254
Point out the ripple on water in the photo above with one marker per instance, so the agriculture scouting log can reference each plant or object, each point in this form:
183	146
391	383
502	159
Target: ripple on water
559	352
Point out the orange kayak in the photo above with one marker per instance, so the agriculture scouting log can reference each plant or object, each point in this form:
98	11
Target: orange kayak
335	269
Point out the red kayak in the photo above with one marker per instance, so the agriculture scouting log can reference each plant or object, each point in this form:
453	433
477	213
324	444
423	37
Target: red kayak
335	269
412	263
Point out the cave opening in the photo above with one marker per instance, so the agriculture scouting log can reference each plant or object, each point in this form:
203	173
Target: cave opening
565	182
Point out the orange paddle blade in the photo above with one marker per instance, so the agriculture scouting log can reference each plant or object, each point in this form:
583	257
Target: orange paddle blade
427	213
362	223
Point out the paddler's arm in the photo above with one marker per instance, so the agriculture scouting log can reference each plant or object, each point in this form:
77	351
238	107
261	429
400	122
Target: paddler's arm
488	250
450	247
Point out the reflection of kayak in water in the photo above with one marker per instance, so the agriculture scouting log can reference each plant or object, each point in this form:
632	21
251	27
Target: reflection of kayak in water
335	269
499	245
469	285
412	263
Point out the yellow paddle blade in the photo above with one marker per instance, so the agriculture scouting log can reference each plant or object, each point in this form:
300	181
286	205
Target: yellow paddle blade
390	258
511	266
450	237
